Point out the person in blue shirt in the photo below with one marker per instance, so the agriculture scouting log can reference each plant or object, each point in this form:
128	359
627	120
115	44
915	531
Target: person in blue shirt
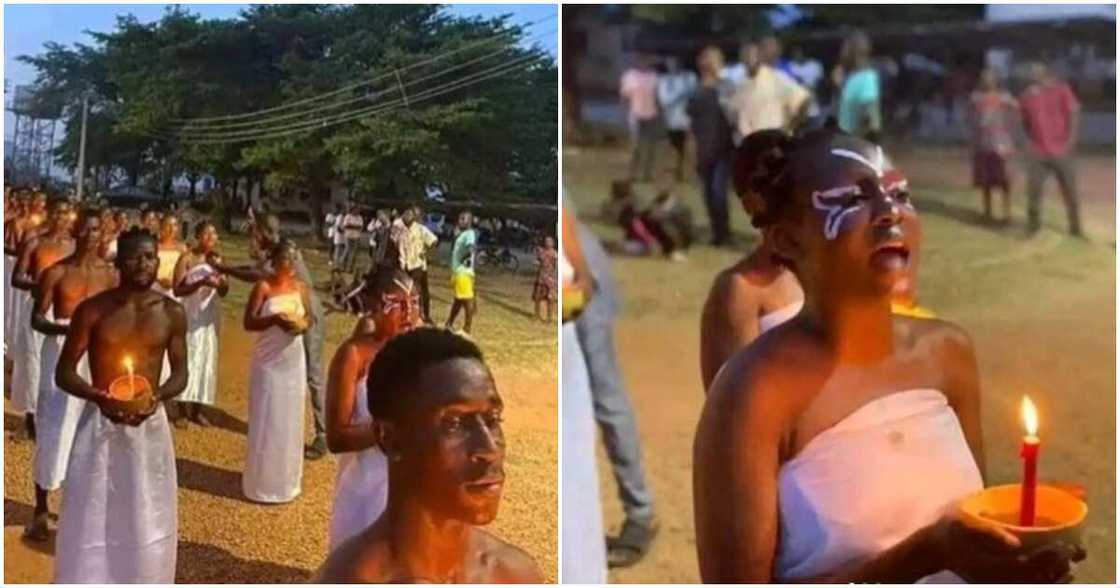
462	272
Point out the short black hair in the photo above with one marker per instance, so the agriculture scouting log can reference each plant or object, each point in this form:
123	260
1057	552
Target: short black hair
201	226
394	372
132	238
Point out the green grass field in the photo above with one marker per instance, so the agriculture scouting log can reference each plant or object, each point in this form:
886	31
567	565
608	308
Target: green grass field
1041	313
226	539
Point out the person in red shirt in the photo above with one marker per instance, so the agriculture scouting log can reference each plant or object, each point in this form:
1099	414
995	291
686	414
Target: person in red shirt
1050	117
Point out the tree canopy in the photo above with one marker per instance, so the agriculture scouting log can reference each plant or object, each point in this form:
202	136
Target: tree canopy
381	99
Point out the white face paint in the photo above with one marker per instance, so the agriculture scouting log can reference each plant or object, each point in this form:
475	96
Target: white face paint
833	202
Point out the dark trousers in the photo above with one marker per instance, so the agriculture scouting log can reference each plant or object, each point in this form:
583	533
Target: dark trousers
1038	168
420	278
714	177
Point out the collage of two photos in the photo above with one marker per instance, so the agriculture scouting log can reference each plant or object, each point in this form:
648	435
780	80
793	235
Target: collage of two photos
559	293
280	293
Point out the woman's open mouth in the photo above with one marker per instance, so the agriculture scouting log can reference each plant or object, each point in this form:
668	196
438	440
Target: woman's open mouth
890	256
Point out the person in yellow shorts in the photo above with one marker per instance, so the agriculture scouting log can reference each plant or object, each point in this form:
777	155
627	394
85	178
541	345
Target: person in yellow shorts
462	271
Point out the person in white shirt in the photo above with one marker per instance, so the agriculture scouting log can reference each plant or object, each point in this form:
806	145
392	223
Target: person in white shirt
767	98
674	89
330	229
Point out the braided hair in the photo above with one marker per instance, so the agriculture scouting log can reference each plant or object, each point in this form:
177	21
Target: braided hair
763	163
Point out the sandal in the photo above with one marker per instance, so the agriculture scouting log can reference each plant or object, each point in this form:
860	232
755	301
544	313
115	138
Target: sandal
631	545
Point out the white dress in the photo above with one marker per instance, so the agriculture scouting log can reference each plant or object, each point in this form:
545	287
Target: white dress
842	498
277	390
772	319
119	518
57	420
204	313
584	554
28	346
362	486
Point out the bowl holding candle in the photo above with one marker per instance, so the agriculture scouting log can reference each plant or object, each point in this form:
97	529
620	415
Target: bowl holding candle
130	393
1059	515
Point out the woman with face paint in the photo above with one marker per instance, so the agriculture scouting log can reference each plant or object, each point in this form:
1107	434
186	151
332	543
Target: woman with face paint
832	447
363	475
278	310
757	293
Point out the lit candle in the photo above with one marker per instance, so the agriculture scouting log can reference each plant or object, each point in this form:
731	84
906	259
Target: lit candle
1029	453
131	383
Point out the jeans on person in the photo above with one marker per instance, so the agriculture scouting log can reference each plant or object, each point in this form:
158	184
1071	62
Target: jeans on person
351	253
313	353
1038	168
649	133
613	412
420	279
714	177
338	254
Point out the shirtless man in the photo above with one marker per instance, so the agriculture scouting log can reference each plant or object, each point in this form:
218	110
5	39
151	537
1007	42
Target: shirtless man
62	287
132	447
22	227
439	414
36	255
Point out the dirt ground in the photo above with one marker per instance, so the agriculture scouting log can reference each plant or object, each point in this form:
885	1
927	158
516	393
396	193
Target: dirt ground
224	538
1041	312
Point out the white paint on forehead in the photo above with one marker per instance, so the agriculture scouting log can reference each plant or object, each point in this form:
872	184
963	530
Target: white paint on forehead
875	166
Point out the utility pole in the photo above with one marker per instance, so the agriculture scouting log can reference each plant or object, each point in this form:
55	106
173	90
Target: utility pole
82	148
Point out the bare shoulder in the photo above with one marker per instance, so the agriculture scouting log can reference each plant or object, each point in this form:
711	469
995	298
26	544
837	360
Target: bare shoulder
944	338
776	376
507	563
346	564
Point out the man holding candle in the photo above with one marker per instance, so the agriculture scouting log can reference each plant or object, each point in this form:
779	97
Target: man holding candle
40	251
62	287
118	523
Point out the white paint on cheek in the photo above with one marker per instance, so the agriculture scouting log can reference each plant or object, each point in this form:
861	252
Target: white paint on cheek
835	212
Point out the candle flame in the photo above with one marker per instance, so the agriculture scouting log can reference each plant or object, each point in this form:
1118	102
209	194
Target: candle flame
1030	416
128	364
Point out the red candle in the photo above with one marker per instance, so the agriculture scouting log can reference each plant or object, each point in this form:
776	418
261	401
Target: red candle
1029	453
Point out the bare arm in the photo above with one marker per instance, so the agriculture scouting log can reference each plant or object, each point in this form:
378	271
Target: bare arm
75	346
728	323
574	253
342	436
252	320
962	387
44	300
245	273
176	353
21	278
181	268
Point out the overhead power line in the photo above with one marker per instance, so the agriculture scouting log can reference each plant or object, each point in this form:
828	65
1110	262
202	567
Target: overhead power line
309	126
193	128
355	85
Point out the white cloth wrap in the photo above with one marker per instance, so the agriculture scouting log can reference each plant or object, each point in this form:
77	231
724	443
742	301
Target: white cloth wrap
890	468
361	488
277	389
27	349
584	557
57	420
9	299
119	518
204	314
770	320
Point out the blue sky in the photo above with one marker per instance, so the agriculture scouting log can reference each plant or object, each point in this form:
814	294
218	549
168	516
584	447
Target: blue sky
28	26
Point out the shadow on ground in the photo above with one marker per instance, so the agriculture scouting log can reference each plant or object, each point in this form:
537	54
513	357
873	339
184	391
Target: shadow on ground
207	564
